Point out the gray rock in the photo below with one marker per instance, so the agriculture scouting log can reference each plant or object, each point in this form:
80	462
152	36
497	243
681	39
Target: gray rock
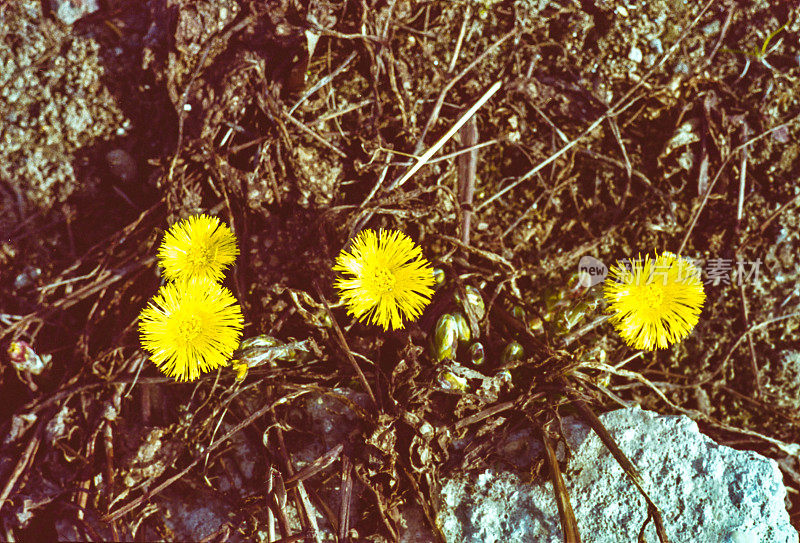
705	491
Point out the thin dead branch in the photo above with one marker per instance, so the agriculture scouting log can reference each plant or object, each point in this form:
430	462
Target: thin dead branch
467	171
569	525
633	473
343	345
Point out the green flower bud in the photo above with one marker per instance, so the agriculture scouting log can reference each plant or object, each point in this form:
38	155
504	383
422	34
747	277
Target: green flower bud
445	338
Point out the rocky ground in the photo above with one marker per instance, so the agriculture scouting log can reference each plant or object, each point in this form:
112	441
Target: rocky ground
619	128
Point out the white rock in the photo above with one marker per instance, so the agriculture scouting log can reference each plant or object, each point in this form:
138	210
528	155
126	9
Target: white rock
707	493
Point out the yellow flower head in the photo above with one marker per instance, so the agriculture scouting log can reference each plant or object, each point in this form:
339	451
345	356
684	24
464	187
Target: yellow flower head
389	279
655	302
191	327
199	246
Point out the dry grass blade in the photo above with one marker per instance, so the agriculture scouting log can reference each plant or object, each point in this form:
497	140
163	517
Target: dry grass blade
270	515
569	338
322	82
493	257
483	414
346	497
22	463
310	513
530	173
422	160
449	134
750	344
568	523
276	500
314	135
316	466
618	136
308	518
440	100
129	507
591	419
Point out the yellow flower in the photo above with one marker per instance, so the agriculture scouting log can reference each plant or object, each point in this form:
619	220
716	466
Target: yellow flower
655	302
191	327
390	279
199	246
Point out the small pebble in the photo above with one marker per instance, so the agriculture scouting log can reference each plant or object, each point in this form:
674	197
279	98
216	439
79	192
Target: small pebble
124	128
655	45
69	11
781	135
121	164
711	28
681	68
27	277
